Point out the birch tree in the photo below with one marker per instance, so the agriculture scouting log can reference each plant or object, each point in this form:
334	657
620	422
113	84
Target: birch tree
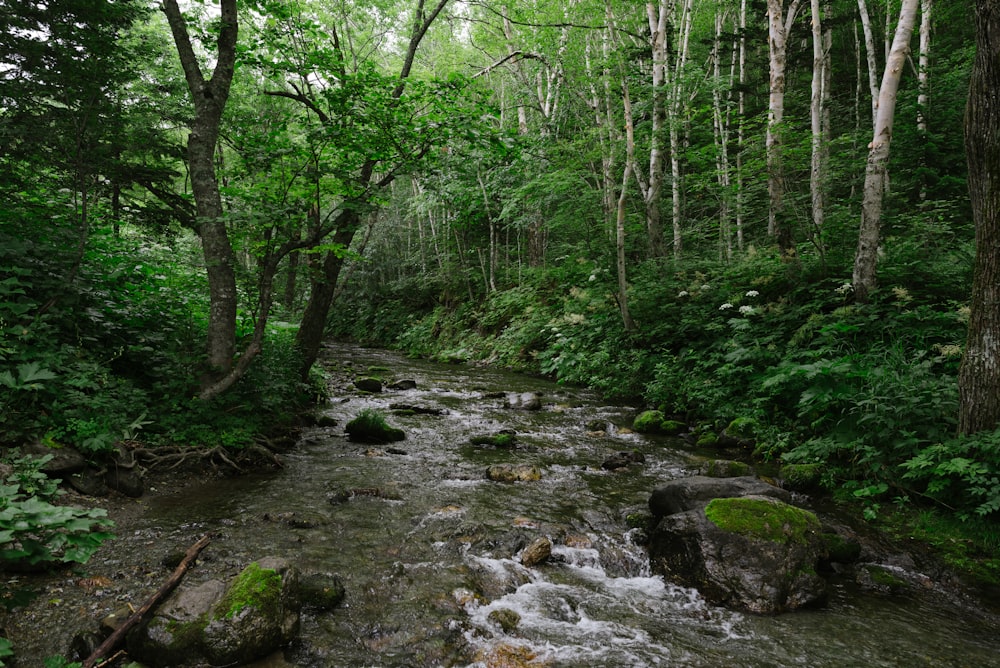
780	23
869	236
979	376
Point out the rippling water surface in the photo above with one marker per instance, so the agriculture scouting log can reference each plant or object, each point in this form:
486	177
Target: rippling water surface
430	561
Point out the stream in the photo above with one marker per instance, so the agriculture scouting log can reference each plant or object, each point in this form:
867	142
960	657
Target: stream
428	551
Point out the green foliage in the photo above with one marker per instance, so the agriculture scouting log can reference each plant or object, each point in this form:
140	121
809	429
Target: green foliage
961	473
36	533
763	519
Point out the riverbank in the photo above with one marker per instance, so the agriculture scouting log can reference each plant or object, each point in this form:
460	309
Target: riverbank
427	562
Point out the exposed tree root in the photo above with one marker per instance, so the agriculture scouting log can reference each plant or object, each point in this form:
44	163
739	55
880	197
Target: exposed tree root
218	457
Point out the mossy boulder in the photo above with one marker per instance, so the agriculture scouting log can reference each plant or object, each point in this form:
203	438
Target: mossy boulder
217	623
673	427
752	553
707	439
740	432
370	427
801	477
763	518
724	468
649	422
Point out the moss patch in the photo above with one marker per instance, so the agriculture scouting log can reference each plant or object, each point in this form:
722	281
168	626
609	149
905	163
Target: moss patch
370	427
255	587
648	422
763	519
801	477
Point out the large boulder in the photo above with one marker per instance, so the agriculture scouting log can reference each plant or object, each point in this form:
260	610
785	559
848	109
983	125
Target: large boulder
696	491
220	624
753	553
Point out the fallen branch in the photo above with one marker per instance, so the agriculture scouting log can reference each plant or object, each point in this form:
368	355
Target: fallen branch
119	635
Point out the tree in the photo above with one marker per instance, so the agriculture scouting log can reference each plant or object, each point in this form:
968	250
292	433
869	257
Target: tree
869	236
779	27
979	376
209	97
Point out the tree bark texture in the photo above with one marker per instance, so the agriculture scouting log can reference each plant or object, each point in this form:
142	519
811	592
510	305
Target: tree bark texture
209	98
779	27
979	376
869	236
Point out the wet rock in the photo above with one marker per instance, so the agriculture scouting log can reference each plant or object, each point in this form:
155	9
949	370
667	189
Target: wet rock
419	410
325	421
321	591
296	520
724	468
596	426
370	427
753	553
539	551
882	579
741	432
695	492
507	619
525	401
65	460
622	460
113	621
502	439
373	385
90	482
126	481
655	422
513	473
217	623
405	384
84	644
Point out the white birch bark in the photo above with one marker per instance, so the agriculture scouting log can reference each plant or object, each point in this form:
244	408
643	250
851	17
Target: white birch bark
869	236
779	27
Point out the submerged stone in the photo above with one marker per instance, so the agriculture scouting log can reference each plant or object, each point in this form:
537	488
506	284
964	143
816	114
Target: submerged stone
513	473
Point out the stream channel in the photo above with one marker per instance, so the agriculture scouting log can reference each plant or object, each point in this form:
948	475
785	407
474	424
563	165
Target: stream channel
427	559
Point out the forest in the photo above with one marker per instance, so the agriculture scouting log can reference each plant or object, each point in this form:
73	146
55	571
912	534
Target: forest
694	207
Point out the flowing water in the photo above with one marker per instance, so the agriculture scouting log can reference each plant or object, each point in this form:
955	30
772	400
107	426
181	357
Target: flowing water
428	551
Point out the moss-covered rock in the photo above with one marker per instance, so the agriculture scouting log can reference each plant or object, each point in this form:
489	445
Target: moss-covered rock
882	579
724	468
648	422
673	427
801	477
763	519
507	619
370	427
369	384
707	439
743	428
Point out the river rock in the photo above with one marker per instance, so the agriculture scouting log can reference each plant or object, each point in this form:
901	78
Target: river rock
689	493
539	550
65	460
725	468
321	591
622	460
219	623
373	385
513	473
525	401
405	384
753	553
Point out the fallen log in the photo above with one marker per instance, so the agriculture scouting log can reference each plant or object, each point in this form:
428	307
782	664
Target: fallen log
118	636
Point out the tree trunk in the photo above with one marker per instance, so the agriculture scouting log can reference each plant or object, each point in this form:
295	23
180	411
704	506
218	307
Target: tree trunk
979	376
309	338
866	257
209	97
866	26
779	27
923	82
816	174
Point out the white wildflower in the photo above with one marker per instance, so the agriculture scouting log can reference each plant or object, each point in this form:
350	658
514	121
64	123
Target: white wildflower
753	293
725	306
844	289
682	293
746	310
706	287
